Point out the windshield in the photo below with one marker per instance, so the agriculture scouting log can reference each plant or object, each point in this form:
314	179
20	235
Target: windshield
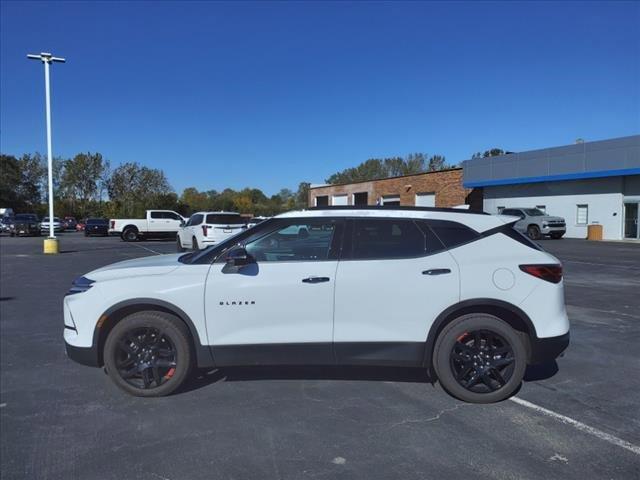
533	212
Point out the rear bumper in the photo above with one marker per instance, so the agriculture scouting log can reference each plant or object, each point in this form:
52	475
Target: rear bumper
84	356
548	349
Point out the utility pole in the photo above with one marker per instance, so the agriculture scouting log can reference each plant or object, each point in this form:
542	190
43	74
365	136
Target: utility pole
51	243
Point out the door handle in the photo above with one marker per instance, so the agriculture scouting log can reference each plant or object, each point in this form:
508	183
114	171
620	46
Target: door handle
315	279
437	271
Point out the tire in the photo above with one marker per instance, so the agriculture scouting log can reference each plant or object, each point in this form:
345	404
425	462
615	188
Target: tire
194	244
556	236
533	232
492	380
179	246
152	334
130	235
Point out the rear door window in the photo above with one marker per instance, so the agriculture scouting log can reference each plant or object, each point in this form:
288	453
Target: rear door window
379	239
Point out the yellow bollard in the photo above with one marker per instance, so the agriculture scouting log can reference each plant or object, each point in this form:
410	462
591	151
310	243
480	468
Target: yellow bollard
51	246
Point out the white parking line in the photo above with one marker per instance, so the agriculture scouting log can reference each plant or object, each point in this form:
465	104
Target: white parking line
142	246
579	425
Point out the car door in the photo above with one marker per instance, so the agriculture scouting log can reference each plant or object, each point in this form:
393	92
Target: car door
394	278
172	221
278	309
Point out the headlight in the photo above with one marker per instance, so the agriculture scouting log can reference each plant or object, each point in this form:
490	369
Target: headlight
80	284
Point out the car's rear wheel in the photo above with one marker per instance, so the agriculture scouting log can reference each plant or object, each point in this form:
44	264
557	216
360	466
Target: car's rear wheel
179	245
194	244
148	354
130	235
479	358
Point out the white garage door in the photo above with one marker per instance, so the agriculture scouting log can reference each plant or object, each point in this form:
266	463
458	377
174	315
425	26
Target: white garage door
339	200
425	199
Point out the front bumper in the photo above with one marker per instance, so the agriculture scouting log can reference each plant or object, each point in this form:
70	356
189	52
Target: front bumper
551	229
83	355
548	349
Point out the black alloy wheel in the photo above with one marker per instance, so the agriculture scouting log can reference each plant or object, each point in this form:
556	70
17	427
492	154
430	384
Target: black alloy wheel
145	357
482	361
149	353
480	358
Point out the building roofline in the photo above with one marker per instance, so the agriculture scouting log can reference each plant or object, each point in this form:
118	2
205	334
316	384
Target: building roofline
329	185
397	207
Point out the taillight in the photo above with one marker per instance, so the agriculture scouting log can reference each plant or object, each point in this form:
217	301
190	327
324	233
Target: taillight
113	224
205	228
550	273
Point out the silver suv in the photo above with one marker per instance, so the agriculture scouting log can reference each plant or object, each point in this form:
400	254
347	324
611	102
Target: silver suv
535	223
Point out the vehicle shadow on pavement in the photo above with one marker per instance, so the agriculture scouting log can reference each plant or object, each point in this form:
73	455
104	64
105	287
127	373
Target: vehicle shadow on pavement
350	373
541	371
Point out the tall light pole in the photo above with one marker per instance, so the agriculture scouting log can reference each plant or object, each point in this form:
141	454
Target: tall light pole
50	246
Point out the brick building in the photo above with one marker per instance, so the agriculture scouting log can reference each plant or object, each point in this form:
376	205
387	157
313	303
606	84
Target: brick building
432	189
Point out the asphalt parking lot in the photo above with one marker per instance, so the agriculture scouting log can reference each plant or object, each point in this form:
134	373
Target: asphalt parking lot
579	418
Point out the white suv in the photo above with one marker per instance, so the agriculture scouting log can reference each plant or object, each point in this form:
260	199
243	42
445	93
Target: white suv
208	228
461	294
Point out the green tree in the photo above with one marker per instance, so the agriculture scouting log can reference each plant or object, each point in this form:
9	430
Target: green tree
376	168
494	152
437	162
302	195
10	179
81	182
133	189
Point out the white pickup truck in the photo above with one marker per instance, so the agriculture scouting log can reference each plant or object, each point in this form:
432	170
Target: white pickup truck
158	224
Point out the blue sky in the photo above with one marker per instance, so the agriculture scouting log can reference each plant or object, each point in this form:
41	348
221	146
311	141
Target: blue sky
270	94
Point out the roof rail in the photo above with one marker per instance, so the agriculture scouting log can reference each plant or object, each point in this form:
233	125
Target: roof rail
397	207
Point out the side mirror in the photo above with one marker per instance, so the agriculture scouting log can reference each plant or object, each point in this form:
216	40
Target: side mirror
182	223
239	257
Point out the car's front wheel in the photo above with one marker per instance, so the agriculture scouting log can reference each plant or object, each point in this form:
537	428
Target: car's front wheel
533	232
148	354
479	358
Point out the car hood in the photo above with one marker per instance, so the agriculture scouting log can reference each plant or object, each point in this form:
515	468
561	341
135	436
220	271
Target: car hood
153	265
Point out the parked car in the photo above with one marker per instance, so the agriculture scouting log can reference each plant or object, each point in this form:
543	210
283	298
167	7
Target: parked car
6	224
25	224
255	220
6	212
57	225
535	223
69	223
157	224
80	225
208	228
96	226
459	293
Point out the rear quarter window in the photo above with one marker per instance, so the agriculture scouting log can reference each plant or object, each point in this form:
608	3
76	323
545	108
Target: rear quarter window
452	234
